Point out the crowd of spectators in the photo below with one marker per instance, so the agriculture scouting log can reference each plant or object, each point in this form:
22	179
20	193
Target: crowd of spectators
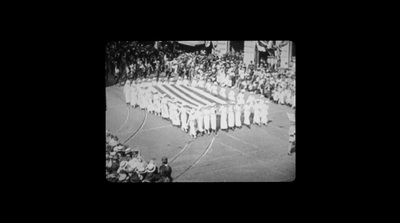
124	164
132	60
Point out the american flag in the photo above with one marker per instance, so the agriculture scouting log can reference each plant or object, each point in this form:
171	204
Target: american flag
194	97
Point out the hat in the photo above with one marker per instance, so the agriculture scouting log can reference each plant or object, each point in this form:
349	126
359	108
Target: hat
128	150
122	177
150	168
123	164
141	167
164	160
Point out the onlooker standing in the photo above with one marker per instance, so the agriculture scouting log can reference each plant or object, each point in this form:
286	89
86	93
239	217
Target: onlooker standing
165	171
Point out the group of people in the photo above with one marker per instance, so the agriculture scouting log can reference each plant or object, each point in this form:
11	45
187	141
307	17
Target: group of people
124	164
200	120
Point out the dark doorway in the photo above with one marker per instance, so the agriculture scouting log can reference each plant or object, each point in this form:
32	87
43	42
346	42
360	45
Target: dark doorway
238	46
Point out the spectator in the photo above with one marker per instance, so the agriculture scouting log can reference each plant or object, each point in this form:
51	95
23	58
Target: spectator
151	172
165	171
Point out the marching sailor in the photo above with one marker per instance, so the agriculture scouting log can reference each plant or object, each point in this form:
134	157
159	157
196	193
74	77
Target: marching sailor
238	115
164	107
246	114
185	81
257	112
264	111
156	103
179	82
149	99
231	117
134	93
201	83
292	133
231	96
127	92
213	118
214	88
191	121
224	112
240	97
208	85
250	99
184	118
199	119
206	113
222	91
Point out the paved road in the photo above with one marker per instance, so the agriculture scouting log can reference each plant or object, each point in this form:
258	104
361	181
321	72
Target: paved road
258	154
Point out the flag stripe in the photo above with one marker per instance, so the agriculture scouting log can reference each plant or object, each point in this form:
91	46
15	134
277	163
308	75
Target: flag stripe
205	95
176	96
191	94
192	91
172	92
219	97
169	96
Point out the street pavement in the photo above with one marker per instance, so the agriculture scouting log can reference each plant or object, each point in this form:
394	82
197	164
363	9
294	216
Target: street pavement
258	154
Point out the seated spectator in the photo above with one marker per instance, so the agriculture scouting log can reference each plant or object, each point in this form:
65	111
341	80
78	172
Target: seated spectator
113	141
151	172
134	178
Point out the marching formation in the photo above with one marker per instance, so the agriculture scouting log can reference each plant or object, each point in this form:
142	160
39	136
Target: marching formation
233	111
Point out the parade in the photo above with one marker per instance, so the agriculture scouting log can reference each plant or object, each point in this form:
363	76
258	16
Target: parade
200	93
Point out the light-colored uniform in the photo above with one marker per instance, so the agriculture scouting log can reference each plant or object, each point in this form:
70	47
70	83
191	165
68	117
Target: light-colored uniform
214	89
149	99
213	118
223	111
208	86
247	112
192	120
231	117
199	119
231	96
127	92
250	100
164	108
134	93
264	113
184	118
156	103
206	119
240	98
238	114
222	92
257	113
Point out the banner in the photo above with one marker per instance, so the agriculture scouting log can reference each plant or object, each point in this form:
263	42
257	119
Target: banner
191	43
260	48
249	52
284	55
214	43
221	48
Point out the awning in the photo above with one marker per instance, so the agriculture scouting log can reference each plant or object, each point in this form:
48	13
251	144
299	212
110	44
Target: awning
191	43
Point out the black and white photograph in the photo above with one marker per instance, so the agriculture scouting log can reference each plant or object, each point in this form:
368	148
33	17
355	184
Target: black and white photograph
200	111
